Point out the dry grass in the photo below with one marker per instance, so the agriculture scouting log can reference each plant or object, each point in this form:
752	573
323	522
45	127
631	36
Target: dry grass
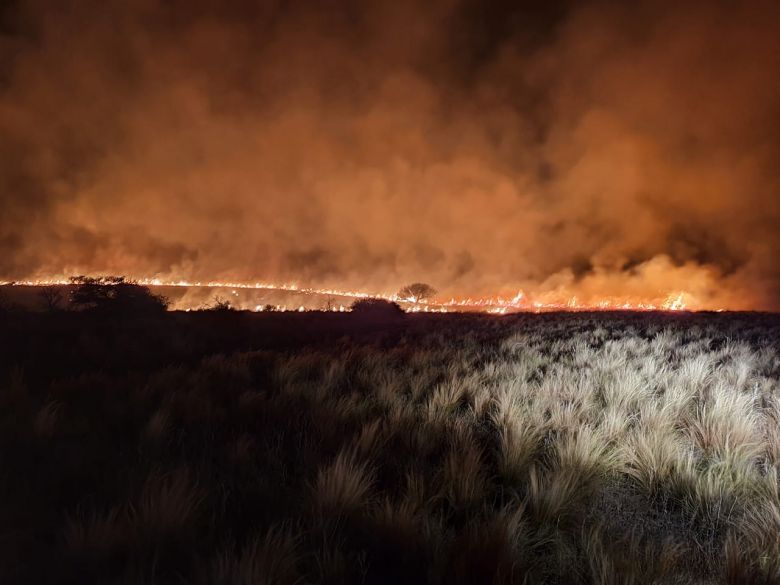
343	486
563	449
269	559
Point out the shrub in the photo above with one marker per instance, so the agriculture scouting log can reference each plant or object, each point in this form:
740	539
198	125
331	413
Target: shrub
377	308
220	305
115	295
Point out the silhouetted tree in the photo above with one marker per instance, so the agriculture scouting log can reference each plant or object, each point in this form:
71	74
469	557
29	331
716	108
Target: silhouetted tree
114	294
52	297
416	292
221	304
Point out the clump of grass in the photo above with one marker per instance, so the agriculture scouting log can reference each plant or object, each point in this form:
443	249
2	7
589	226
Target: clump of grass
746	565
771	434
406	539
753	547
554	495
587	451
343	486
271	558
520	434
654	457
47	418
370	437
632	560
726	427
157	427
493	551
463	476
167	507
93	536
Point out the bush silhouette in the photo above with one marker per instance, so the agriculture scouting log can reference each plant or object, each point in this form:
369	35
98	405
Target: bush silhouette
115	295
221	305
377	308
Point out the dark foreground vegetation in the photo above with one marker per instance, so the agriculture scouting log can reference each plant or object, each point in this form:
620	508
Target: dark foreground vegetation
229	447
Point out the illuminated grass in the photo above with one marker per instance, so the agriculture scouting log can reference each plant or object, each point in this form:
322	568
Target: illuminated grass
575	448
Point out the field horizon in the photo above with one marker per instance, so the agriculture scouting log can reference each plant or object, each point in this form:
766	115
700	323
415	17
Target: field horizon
28	296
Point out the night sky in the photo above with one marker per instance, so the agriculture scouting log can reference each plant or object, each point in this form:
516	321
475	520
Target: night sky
589	148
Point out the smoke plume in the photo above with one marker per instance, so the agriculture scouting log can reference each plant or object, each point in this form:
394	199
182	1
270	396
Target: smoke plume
584	149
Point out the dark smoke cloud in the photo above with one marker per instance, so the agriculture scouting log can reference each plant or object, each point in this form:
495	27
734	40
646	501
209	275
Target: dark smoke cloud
591	149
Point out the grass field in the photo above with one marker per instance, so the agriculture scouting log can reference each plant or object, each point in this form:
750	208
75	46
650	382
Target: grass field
318	448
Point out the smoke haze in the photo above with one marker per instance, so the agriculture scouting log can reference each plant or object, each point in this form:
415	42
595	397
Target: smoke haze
584	149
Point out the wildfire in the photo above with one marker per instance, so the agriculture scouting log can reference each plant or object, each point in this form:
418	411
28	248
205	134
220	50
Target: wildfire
520	302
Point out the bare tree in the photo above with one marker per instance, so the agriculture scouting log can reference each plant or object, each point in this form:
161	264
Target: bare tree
221	305
416	292
52	297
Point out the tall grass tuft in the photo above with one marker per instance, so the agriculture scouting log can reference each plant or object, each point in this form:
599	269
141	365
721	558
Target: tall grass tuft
342	486
267	559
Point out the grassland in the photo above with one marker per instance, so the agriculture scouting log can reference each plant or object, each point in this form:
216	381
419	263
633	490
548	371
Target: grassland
317	448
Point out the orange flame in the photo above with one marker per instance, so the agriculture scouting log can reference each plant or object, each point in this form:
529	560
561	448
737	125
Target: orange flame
675	301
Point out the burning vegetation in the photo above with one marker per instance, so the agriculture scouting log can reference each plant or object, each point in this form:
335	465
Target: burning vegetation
413	298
